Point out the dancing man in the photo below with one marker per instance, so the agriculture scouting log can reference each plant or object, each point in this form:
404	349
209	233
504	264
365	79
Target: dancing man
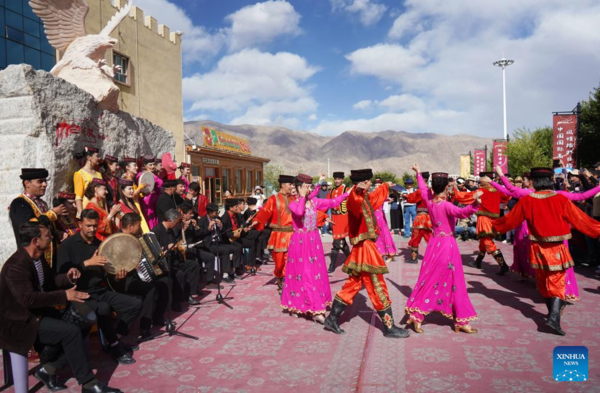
364	265
339	220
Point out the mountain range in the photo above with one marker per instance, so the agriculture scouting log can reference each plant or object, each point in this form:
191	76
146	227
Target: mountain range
393	151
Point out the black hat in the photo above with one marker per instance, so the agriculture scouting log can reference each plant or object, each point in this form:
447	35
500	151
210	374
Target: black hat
169	183
425	175
148	160
541	172
338	175
359	175
251	201
33	173
231	202
286	179
488	174
437	175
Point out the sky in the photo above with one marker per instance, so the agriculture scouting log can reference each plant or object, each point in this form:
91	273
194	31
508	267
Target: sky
329	66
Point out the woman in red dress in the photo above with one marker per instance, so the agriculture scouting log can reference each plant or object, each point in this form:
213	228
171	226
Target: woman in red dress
96	193
129	201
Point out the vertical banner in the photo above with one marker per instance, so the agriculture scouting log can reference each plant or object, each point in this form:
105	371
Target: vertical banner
564	135
465	165
500	157
480	162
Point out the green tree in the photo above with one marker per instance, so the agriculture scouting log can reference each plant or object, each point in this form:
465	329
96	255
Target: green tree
385	176
271	177
527	149
588	148
406	176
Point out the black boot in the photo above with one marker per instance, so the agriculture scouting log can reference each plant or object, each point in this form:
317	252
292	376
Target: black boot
503	266
549	306
331	322
553	321
50	381
345	248
389	329
478	261
332	264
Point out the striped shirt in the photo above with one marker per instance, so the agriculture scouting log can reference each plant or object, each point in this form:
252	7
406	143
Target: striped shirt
40	272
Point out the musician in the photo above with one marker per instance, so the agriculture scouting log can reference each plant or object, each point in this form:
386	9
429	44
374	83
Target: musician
80	251
166	200
66	223
199	201
155	295
232	231
248	237
211	229
30	205
29	290
262	237
187	273
194	234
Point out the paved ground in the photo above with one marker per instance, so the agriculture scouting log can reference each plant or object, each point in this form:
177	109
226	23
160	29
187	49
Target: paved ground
255	347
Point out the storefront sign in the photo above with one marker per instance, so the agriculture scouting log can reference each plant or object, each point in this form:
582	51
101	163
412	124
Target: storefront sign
222	141
500	157
564	136
211	161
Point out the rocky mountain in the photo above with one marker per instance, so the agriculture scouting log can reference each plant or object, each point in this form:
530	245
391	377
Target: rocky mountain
393	151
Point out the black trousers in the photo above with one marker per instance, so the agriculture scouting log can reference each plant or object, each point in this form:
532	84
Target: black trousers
263	242
231	255
208	259
185	279
127	308
397	221
155	297
70	338
250	241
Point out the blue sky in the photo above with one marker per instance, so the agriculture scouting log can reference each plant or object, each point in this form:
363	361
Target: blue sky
328	66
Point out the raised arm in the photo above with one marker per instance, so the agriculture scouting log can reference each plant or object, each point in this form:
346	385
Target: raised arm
581	221
423	188
264	215
513	190
314	193
325	204
298	207
462	212
580	196
379	196
511	220
464	197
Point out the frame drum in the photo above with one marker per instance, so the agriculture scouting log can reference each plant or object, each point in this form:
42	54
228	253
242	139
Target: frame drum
123	251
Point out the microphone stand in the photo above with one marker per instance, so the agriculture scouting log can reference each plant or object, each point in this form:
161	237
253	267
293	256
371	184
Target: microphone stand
220	299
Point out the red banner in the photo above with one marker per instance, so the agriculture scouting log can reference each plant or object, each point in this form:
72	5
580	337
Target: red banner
500	157
479	162
564	138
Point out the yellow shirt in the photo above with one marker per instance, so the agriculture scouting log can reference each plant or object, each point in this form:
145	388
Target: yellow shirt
81	179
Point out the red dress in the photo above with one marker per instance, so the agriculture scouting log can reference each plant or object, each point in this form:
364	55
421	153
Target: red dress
106	227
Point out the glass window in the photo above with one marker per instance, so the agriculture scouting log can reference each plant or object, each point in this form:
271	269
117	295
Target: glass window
210	172
249	182
2	53
32	56
14	53
15	5
258	178
27	11
14	20
48	62
226	177
1	21
32	41
15	35
238	181
46	47
31	27
120	60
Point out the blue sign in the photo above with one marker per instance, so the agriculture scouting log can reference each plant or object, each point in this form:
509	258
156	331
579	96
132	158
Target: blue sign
570	364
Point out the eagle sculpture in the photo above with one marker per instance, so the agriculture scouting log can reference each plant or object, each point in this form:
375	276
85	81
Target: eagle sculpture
81	55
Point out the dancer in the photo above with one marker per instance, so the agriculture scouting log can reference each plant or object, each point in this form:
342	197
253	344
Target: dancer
488	210
422	225
110	165
149	201
572	289
96	194
307	290
339	221
129	201
385	241
549	256
441	284
83	177
185	169
364	265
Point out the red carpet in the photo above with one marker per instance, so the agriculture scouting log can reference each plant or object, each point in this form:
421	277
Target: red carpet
255	347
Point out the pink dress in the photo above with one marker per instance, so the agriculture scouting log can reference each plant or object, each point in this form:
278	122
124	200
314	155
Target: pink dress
385	241
148	202
306	287
571	290
441	285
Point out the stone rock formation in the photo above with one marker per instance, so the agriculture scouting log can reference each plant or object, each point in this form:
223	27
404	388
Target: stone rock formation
44	120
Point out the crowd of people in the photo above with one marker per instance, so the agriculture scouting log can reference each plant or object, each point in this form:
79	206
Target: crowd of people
56	286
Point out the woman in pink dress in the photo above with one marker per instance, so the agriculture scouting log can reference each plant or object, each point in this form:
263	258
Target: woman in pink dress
385	241
148	202
441	284
306	287
572	289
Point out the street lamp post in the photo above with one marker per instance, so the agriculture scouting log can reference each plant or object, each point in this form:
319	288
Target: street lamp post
504	63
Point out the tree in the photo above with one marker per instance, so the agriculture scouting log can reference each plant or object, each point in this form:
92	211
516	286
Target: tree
406	176
528	149
271	177
386	176
588	148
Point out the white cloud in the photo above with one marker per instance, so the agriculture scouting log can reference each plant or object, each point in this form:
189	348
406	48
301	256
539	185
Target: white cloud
368	11
254	87
262	23
439	58
313	117
364	104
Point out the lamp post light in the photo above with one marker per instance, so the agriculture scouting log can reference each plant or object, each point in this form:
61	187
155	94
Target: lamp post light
504	63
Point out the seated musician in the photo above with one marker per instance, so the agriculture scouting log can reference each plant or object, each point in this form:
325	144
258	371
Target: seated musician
263	236
249	236
194	234
186	273
232	231
155	294
29	290
80	251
